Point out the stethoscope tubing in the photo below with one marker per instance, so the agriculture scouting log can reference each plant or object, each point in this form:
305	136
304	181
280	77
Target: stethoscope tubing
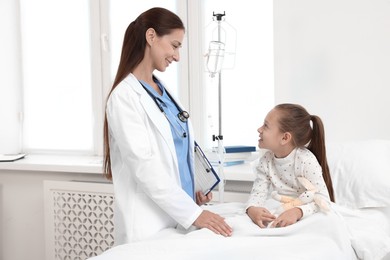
182	115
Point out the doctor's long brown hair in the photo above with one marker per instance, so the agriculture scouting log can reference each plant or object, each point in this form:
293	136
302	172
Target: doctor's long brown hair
163	22
296	120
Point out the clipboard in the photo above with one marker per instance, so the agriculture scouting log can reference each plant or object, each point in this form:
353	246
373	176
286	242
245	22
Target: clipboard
205	176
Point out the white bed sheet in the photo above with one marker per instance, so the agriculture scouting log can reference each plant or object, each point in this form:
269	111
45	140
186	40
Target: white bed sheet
343	234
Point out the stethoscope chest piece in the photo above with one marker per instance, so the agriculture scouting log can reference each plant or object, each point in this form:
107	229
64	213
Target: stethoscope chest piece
182	115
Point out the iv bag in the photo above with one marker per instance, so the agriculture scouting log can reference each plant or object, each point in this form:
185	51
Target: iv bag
220	35
215	57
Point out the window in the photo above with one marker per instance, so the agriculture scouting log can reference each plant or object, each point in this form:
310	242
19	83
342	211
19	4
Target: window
70	53
56	75
69	63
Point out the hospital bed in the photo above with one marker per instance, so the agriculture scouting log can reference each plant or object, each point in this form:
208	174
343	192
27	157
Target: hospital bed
357	227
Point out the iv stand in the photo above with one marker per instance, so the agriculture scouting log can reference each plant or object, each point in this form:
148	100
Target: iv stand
221	149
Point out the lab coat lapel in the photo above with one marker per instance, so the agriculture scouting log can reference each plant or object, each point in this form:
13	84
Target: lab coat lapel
155	115
190	132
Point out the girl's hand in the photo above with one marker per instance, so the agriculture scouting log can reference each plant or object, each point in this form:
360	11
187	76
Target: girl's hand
202	199
288	217
260	216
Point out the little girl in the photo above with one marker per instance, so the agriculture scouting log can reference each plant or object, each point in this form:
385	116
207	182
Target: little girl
295	149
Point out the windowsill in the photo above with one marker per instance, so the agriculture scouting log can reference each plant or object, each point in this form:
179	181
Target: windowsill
56	163
93	165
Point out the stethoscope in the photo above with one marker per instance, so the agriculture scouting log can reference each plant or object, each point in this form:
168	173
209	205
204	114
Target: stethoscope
182	115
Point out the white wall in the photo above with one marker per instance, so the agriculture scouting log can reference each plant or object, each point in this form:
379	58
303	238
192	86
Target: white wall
333	57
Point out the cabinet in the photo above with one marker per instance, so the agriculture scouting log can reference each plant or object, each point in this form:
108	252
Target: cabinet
238	183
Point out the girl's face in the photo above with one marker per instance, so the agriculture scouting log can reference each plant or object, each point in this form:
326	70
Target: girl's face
165	49
270	135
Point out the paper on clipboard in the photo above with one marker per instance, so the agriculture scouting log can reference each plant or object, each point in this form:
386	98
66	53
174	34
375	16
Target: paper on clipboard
205	176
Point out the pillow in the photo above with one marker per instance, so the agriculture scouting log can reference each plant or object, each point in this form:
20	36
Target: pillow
369	231
360	173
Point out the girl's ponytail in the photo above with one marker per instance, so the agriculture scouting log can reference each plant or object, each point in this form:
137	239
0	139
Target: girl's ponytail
296	120
317	147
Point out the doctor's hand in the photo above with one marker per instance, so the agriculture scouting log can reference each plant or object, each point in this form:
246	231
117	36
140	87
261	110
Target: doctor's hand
260	216
202	199
214	222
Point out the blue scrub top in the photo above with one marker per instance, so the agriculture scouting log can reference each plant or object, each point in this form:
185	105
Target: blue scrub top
181	144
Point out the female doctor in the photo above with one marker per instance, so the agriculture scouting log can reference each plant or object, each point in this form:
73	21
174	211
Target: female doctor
149	146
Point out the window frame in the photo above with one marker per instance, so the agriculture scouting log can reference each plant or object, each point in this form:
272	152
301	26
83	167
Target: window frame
191	90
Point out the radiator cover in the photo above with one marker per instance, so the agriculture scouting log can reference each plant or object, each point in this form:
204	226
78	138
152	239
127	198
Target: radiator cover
78	219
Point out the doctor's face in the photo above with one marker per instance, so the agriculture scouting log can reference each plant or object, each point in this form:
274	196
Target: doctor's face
166	48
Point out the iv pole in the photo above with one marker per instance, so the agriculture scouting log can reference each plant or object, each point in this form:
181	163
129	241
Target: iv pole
219	137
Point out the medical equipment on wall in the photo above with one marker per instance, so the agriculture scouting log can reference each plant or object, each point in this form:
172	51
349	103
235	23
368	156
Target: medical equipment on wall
182	115
221	55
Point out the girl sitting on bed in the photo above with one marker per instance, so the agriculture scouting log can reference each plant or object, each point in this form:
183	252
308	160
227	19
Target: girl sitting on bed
295	149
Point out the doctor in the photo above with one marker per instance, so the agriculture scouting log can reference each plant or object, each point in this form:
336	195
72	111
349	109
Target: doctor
149	146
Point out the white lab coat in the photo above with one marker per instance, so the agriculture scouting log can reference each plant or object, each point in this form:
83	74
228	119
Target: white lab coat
148	193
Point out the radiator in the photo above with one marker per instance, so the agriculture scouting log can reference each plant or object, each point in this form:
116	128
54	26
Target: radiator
78	219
